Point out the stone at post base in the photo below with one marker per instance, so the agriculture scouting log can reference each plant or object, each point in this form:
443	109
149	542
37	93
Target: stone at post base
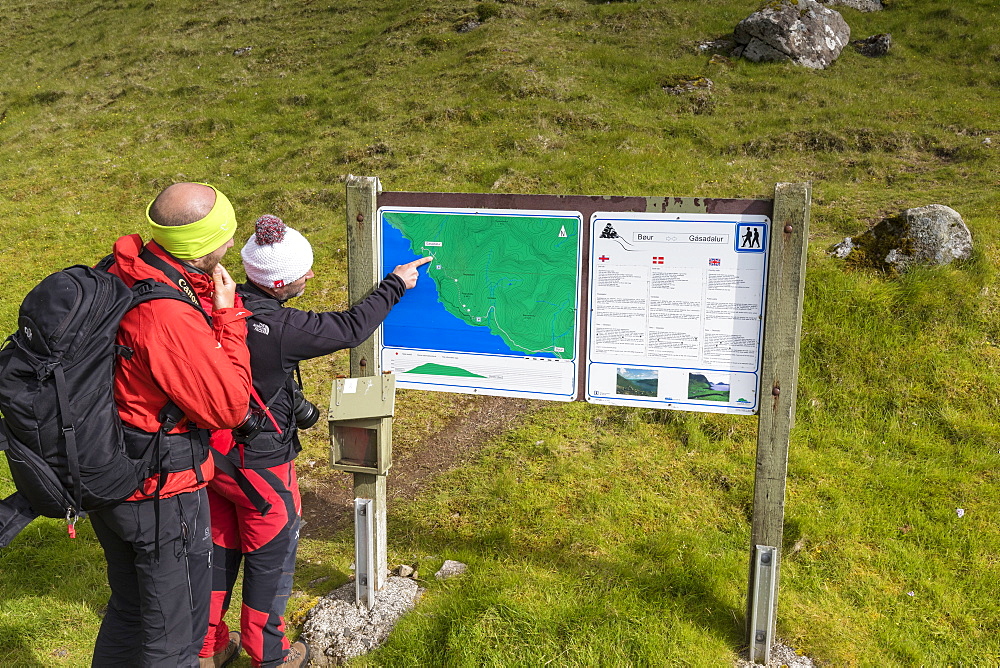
337	629
450	569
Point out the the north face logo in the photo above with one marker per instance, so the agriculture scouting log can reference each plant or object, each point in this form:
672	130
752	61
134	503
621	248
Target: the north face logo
262	328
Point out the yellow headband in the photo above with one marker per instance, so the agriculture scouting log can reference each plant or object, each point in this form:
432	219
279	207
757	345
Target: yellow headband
197	239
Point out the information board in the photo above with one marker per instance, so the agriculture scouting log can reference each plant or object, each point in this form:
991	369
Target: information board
676	310
497	311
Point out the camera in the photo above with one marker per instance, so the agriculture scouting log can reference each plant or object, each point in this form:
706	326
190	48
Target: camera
245	431
305	412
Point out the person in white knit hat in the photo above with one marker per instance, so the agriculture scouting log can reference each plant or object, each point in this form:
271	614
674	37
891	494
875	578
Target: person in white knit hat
255	503
277	258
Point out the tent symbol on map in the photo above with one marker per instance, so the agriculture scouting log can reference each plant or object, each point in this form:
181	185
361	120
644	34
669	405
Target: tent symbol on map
562	232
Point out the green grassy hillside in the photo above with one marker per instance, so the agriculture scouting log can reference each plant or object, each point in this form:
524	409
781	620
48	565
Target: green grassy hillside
595	536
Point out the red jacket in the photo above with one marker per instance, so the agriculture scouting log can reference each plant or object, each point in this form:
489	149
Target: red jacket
177	356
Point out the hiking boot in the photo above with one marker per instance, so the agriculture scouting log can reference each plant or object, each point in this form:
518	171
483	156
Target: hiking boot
298	655
225	655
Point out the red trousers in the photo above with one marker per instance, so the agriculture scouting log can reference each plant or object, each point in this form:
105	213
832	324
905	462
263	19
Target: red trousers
266	545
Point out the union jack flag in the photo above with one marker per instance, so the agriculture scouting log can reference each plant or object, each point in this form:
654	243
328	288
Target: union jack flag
714	262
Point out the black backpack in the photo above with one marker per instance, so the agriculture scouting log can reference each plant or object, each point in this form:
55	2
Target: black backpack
60	426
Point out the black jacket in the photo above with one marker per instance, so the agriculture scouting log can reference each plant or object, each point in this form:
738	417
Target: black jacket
279	338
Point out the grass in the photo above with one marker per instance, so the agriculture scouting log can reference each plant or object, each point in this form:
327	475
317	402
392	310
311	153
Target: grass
595	536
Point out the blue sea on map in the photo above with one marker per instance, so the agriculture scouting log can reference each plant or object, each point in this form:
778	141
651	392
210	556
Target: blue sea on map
404	327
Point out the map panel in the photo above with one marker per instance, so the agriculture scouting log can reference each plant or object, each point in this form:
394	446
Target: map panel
497	312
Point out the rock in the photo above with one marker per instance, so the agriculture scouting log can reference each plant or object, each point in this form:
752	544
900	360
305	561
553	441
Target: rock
803	32
722	45
242	51
843	249
683	83
467	25
874	46
450	569
337	629
860	5
404	571
929	235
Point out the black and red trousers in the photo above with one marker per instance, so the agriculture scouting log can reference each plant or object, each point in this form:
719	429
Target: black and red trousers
265	544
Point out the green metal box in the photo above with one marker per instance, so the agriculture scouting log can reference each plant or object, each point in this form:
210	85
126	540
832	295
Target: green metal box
360	415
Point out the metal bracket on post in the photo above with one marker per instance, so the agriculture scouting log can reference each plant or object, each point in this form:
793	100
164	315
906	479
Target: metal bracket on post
762	606
364	554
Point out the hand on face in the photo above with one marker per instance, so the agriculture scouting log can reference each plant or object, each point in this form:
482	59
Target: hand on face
408	272
225	289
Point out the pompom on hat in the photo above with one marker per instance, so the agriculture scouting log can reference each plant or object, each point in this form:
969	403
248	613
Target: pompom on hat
276	255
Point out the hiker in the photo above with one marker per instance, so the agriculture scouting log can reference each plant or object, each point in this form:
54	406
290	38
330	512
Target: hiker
157	543
278	262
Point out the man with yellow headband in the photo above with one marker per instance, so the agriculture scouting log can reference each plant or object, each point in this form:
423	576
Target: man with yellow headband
193	361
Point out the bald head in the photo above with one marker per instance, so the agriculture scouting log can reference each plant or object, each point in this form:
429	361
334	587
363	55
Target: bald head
182	204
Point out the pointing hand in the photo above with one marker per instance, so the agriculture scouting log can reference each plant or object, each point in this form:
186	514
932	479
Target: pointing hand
408	272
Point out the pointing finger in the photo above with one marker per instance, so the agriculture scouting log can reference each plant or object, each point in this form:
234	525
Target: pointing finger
421	261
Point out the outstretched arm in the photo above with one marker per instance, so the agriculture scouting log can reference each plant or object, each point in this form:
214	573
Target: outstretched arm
309	334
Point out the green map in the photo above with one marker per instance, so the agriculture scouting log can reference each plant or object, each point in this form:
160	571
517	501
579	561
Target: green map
510	277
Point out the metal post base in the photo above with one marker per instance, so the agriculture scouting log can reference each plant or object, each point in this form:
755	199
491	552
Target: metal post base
364	554
762	607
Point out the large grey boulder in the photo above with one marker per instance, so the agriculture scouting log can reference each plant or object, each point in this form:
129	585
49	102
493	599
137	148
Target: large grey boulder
930	235
804	32
860	5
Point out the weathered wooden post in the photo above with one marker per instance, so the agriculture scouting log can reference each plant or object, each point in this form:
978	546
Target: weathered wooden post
363	276
778	382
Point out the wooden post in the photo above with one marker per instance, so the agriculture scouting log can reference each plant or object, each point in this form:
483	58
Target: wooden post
362	278
779	375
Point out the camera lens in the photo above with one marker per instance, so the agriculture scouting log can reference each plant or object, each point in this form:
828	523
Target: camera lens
251	425
305	412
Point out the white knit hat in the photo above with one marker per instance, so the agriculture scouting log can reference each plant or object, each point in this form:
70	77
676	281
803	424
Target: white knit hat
276	255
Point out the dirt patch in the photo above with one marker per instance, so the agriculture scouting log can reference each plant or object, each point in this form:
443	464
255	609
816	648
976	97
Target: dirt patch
327	500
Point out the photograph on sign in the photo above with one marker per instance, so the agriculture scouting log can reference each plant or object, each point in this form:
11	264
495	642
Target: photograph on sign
499	314
676	310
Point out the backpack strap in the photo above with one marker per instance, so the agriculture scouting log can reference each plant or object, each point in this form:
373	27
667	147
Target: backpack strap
147	290
15	514
153	260
225	465
106	262
69	433
169	416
